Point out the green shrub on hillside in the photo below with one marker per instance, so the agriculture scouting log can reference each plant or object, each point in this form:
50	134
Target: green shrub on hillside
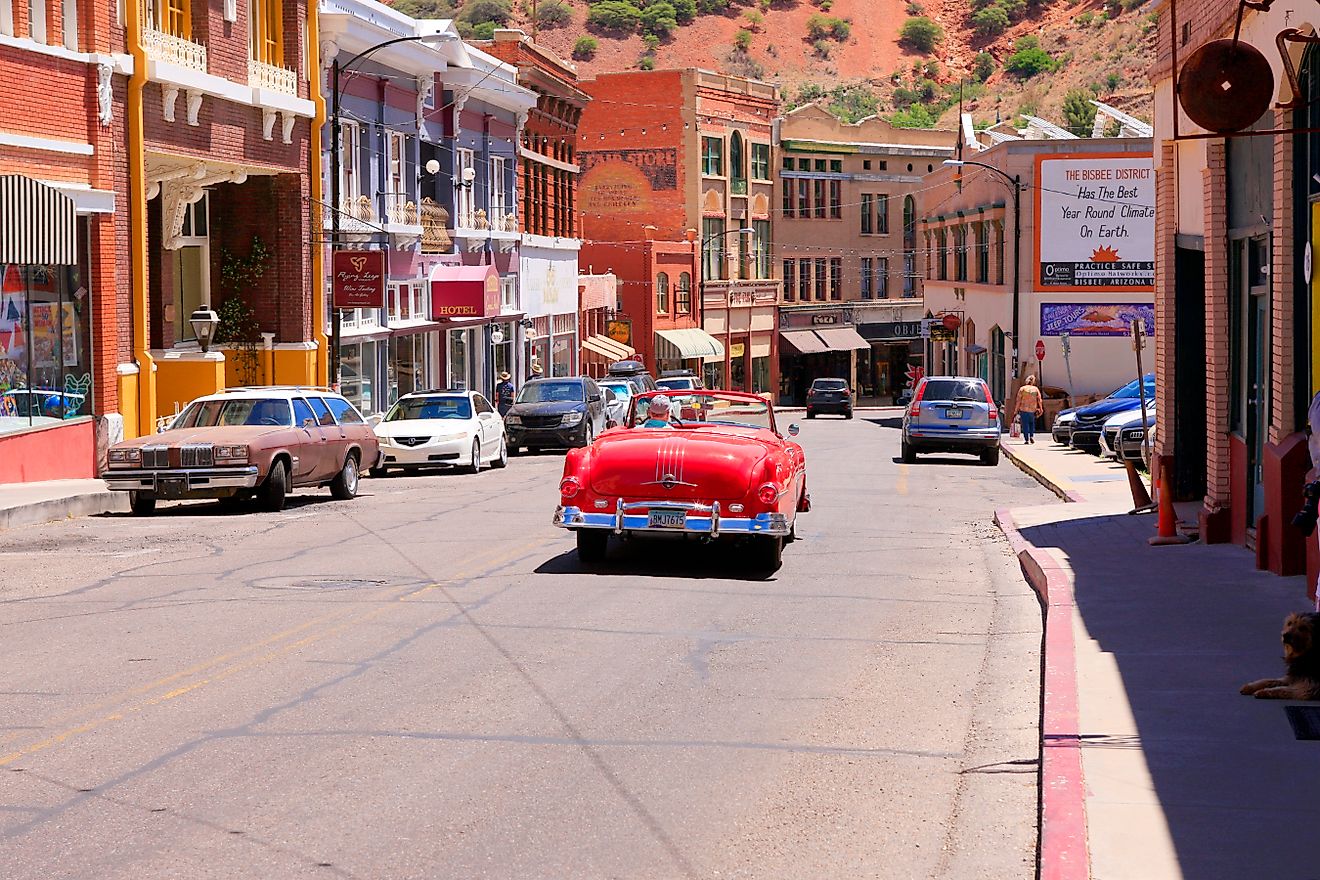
553	14
1029	59
585	48
1079	112
742	41
822	27
991	21
984	66
684	10
659	18
477	12
614	15
921	33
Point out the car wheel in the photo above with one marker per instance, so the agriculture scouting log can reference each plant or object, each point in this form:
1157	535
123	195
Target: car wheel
990	456
909	454
768	553
592	544
848	414
273	492
810	414
141	503
345	485
475	467
501	460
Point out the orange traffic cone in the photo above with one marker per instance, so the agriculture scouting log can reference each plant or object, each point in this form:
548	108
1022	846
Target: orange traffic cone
1168	525
1141	502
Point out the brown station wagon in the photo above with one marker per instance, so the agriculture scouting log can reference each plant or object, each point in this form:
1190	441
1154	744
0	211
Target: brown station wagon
245	442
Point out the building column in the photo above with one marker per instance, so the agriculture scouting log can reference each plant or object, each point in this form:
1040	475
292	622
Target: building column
1166	228
1215	517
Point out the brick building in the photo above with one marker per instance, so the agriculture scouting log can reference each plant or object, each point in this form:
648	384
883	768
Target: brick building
1236	302
680	150
846	242
547	200
64	267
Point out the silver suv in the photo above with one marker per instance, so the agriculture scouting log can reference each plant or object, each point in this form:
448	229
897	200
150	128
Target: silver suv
952	414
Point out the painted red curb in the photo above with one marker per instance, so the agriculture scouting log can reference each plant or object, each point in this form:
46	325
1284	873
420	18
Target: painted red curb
1064	854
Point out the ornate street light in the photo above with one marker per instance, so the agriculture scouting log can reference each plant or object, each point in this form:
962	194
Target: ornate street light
204	322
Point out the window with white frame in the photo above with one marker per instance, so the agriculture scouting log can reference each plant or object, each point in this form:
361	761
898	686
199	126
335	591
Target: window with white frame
397	194
498	203
465	201
350	175
508	294
7	17
419	310
69	26
37	20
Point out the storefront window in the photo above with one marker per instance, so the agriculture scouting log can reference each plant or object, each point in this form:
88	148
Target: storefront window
502	354
45	344
357	375
562	356
713	374
738	373
761	374
408	362
459	374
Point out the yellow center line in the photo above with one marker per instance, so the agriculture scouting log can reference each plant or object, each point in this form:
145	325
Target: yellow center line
901	485
480	563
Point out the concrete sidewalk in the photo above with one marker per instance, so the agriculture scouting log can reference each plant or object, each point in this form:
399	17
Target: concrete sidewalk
1153	765
23	504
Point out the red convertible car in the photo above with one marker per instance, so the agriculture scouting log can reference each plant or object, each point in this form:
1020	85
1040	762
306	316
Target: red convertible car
710	464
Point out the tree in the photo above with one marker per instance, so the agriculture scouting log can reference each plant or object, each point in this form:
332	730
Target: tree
585	48
921	33
425	8
991	21
1078	112
1029	59
916	116
659	18
684	10
477	12
553	14
742	41
984	66
614	15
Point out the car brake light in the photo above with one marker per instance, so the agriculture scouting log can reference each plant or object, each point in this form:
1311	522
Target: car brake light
768	493
916	400
811	392
847	393
994	410
569	487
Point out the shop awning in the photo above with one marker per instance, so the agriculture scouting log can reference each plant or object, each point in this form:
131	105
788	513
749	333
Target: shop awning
612	349
38	223
975	349
464	291
803	341
681	345
842	339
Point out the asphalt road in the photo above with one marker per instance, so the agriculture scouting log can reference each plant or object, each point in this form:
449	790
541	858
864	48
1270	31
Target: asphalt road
422	682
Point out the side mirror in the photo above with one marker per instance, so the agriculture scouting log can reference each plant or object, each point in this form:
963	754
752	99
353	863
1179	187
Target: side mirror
375	419
308	423
794	430
610	396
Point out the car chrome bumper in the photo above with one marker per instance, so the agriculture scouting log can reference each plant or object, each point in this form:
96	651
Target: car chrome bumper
444	452
142	480
701	519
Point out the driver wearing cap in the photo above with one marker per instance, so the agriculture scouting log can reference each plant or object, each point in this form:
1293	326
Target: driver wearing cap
657	413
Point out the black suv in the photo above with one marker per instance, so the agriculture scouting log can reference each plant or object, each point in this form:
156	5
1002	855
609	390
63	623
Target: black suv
636	373
830	396
555	413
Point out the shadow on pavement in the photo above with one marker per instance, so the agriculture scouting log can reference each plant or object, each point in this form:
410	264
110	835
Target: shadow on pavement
209	507
665	558
942	459
1186	627
896	422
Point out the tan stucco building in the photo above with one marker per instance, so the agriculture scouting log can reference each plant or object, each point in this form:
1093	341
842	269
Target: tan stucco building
847	248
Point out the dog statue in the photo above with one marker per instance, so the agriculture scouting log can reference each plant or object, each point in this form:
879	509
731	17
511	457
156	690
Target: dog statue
1301	658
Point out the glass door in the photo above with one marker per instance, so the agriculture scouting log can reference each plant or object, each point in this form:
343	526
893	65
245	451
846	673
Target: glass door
1257	370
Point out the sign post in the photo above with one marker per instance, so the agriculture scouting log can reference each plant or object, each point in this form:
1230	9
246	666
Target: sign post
1066	342
1040	360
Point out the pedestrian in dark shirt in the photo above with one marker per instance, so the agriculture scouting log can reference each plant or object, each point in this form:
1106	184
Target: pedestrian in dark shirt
504	394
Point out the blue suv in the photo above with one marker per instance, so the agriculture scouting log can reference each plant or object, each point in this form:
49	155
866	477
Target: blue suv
1089	421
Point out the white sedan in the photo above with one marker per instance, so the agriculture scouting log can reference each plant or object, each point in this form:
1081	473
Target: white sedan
441	428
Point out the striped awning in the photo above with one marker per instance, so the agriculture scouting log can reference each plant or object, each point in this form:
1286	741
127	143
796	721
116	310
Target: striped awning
687	344
38	223
610	349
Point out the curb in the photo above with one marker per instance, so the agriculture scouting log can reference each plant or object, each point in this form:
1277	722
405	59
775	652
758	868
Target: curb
54	509
1062	848
1070	495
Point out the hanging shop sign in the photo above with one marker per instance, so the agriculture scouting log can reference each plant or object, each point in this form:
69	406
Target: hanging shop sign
359	279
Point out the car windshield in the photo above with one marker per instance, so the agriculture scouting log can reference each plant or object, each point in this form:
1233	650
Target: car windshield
680	383
451	407
551	392
272	412
953	389
1132	389
700	408
829	384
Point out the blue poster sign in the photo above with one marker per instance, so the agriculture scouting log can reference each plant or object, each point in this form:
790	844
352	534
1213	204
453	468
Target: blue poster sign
1094	319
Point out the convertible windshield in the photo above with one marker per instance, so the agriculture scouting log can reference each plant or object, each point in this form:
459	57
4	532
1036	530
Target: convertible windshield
453	407
620	389
551	392
695	409
272	412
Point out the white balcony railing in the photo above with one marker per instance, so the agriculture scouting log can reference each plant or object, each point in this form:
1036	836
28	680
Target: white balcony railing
160	46
267	76
399	210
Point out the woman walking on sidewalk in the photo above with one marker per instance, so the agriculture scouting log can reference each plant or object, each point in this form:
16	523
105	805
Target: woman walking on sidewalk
1028	406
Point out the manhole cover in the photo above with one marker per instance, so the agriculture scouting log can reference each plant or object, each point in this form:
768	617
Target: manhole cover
318	584
1305	721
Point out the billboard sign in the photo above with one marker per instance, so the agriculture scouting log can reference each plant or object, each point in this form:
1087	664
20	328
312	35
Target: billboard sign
1095	222
1095	319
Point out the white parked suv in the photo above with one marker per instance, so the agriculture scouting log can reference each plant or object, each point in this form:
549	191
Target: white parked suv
441	428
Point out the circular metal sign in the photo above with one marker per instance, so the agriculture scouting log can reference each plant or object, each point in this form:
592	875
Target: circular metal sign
1307	264
1225	86
496	336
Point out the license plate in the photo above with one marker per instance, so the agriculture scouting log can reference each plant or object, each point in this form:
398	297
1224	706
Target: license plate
171	487
953	412
667	519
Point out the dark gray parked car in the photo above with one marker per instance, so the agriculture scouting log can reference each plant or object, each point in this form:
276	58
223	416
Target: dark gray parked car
555	414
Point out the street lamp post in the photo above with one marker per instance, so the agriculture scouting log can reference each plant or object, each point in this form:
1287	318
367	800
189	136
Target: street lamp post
1016	182
335	146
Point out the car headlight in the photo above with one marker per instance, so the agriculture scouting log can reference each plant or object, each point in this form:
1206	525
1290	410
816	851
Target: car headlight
512	419
236	454
570	419
125	457
446	437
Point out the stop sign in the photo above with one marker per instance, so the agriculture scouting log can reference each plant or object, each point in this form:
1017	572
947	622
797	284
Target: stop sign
1040	349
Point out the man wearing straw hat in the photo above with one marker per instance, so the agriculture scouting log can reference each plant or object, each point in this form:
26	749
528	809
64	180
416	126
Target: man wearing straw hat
504	394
